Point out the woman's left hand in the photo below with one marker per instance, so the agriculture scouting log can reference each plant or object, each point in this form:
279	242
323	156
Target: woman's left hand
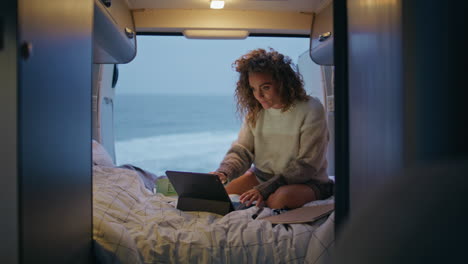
250	196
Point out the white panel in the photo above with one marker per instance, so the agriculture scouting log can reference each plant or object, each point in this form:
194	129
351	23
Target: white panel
103	106
317	80
312	76
107	109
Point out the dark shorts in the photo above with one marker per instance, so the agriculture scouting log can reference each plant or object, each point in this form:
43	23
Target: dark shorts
322	190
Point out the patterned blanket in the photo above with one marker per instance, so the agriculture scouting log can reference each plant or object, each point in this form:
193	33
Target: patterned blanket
134	225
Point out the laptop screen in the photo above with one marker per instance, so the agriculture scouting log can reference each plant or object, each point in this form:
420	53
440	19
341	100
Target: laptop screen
198	185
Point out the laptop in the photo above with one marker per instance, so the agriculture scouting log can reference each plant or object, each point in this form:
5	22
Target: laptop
201	192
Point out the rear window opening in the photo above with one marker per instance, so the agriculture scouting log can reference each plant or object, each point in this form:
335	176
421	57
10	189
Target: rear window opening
175	107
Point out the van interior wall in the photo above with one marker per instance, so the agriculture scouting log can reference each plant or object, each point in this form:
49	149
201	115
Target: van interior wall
103	106
404	111
264	22
9	222
55	129
376	98
51	116
406	115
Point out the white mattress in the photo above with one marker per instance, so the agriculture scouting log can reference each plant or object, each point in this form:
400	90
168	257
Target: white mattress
133	225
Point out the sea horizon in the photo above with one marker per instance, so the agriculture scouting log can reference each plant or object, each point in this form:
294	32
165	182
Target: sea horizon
160	132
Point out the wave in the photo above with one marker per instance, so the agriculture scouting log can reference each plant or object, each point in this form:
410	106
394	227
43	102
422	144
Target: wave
198	152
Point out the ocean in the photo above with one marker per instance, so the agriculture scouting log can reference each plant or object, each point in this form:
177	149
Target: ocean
174	132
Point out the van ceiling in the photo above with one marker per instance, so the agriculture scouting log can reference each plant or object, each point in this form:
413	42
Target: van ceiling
292	17
265	5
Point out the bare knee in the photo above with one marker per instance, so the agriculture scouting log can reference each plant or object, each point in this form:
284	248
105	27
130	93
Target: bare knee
278	199
290	196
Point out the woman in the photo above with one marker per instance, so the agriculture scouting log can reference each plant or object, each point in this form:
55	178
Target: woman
284	135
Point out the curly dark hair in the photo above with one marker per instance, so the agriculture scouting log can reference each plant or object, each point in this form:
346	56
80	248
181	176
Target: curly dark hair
291	85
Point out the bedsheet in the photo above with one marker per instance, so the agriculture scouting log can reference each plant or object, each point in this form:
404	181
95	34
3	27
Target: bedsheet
133	225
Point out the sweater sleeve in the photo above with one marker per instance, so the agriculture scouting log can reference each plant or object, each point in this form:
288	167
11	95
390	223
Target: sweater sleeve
268	187
239	157
311	156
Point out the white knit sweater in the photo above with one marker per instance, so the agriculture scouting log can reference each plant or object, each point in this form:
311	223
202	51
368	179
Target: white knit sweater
288	148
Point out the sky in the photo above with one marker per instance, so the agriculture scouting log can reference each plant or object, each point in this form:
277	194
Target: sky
176	65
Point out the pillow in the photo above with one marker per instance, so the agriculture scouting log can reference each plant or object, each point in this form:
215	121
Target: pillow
147	177
101	156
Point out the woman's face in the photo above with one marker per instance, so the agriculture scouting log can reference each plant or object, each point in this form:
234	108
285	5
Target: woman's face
265	90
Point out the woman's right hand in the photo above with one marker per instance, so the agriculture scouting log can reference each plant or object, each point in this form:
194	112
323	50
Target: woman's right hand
222	177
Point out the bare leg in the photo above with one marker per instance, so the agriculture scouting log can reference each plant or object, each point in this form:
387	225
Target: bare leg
291	196
242	184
